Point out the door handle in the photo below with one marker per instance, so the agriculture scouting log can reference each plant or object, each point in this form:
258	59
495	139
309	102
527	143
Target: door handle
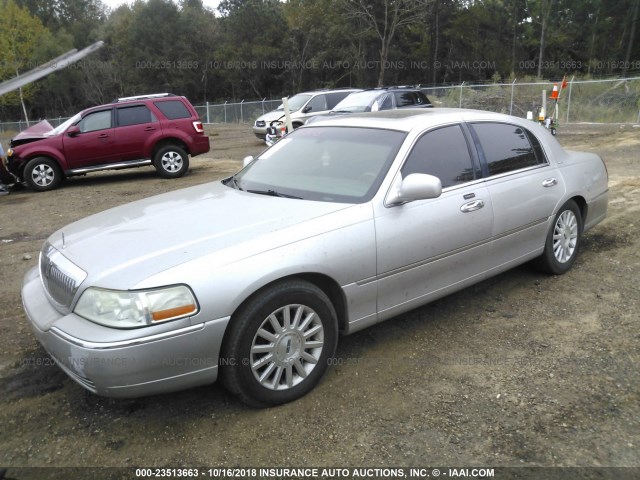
549	182
472	206
104	135
147	129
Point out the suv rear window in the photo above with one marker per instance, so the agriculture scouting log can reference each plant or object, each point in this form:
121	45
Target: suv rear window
173	109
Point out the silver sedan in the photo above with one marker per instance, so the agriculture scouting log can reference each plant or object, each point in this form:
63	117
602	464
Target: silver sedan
340	225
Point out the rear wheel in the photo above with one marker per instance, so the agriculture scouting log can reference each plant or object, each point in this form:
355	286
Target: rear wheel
563	241
279	344
171	161
42	173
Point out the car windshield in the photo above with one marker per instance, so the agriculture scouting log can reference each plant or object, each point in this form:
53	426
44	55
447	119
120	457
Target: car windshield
323	163
296	102
358	102
63	126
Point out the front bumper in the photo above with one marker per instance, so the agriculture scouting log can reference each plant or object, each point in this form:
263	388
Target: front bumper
6	176
260	131
139	366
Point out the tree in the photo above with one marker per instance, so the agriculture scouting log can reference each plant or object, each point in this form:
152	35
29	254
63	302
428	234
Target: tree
541	11
632	34
20	34
385	18
253	45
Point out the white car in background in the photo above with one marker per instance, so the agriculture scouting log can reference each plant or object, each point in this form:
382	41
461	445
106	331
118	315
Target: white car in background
302	107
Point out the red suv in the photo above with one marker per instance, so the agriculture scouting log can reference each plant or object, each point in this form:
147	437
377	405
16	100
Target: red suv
161	129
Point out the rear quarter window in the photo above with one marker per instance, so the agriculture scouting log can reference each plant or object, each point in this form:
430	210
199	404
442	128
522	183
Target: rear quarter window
173	109
407	99
508	147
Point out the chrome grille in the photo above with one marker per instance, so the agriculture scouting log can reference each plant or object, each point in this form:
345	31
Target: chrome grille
60	277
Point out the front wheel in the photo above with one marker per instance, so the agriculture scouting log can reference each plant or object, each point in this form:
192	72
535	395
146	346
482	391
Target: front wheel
563	241
171	161
42	174
279	344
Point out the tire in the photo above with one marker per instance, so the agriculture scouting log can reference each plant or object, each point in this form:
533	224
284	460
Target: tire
563	241
553	132
279	344
171	161
42	174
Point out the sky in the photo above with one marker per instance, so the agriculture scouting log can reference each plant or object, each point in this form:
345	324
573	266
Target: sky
116	3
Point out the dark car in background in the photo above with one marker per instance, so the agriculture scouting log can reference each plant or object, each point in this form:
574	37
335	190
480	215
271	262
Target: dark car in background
160	130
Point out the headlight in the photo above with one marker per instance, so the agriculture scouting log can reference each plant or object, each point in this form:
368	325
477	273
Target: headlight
136	308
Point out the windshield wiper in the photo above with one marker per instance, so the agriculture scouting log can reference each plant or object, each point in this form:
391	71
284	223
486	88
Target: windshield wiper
273	193
233	180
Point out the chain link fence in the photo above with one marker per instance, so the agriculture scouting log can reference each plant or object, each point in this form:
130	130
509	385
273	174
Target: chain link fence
243	112
599	101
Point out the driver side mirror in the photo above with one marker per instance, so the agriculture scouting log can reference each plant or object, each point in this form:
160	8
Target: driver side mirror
417	186
306	109
73	131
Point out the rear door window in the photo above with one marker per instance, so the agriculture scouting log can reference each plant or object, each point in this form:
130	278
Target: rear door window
334	98
134	115
507	147
173	109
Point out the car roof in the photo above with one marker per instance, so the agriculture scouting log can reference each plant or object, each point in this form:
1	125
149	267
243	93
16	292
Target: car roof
408	119
139	100
329	90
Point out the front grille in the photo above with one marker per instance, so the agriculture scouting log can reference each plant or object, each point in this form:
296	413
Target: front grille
60	277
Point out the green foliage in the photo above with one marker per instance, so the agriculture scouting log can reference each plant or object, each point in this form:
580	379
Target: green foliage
251	49
20	36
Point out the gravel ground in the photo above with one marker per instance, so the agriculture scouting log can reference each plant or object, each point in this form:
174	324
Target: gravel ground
520	370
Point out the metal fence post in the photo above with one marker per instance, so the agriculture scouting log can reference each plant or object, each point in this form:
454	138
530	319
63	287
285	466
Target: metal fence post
511	103
225	111
241	114
461	85
569	99
263	104
208	120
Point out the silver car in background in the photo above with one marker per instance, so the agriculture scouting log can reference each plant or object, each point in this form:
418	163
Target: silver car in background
340	225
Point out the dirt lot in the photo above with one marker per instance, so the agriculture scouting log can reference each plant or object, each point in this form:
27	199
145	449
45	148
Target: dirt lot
521	370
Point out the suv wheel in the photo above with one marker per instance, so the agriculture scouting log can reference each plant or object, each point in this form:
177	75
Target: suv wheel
171	161
42	173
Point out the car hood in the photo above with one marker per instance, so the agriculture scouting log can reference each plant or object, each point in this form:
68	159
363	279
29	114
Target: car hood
121	247
37	131
271	116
